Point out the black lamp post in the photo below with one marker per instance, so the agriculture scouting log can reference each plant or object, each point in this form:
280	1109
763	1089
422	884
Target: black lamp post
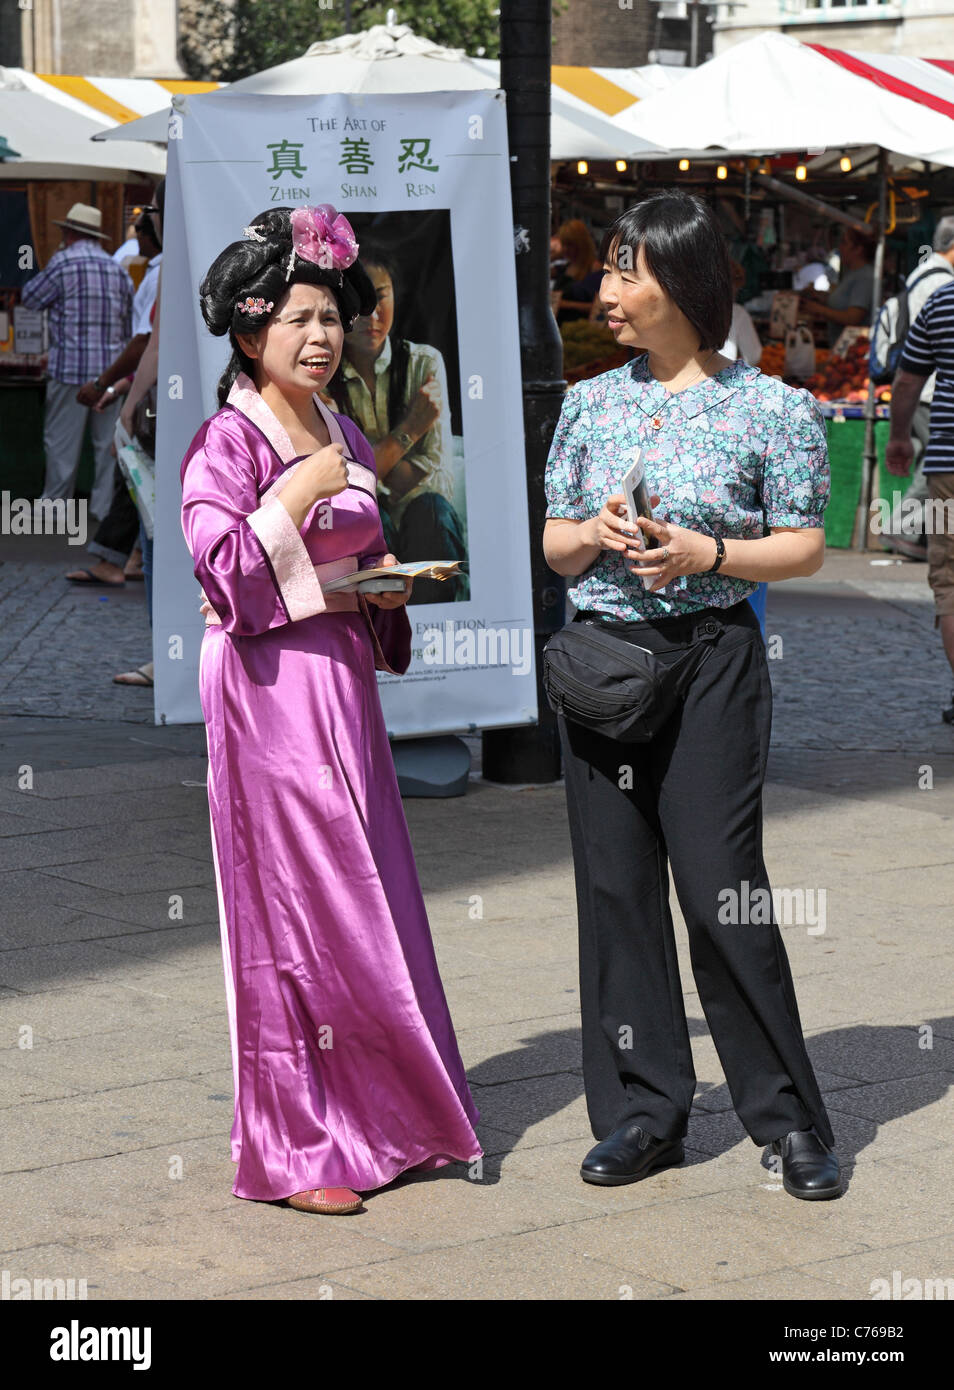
532	754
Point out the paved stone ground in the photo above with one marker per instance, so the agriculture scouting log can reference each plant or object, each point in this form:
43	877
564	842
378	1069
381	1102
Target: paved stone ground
114	1163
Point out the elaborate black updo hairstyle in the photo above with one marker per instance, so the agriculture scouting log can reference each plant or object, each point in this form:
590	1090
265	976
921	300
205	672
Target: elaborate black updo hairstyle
258	269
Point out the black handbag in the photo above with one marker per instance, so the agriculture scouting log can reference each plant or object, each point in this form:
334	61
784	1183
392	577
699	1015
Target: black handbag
599	679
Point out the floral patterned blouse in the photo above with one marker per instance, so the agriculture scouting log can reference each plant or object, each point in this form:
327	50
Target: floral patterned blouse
734	455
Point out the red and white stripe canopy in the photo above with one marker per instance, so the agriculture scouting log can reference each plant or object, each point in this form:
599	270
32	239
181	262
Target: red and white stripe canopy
773	93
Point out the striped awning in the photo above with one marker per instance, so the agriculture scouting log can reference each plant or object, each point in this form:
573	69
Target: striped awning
771	93
107	100
928	81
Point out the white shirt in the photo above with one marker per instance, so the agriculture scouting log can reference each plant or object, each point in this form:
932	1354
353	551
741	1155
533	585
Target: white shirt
742	340
128	250
146	298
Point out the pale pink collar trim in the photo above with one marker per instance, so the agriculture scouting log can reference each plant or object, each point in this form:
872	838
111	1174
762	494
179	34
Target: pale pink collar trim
245	396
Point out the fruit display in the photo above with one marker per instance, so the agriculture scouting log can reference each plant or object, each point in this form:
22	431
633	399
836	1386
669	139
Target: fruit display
772	361
845	378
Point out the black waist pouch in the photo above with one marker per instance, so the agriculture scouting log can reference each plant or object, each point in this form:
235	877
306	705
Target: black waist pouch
608	683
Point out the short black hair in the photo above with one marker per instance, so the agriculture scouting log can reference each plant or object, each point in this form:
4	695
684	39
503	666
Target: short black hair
685	252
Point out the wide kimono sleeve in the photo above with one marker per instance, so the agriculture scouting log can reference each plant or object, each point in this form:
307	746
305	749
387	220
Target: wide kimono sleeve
566	462
390	627
796	480
248	556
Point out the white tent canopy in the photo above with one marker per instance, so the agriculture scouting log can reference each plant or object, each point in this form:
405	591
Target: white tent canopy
55	142
392	58
773	93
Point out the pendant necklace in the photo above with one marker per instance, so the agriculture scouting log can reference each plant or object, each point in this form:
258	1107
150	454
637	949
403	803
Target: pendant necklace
657	419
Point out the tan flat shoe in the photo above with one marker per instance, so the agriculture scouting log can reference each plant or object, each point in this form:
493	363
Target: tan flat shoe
328	1201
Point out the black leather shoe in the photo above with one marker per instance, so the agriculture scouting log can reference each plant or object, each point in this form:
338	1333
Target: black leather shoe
809	1168
628	1155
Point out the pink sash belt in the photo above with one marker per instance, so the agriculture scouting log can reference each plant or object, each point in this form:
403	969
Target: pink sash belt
334	603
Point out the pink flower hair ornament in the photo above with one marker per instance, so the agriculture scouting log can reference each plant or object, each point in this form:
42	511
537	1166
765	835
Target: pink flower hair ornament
323	236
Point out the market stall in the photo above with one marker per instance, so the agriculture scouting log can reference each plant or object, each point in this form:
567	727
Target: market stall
48	163
796	139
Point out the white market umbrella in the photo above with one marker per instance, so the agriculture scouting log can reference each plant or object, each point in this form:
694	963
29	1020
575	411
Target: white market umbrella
772	93
392	58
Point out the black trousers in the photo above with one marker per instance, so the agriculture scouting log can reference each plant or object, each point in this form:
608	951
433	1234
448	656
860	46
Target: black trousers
689	801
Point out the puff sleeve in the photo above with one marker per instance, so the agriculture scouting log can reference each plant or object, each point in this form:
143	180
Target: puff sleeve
796	480
567	459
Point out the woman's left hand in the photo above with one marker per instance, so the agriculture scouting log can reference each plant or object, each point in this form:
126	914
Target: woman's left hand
394	599
681	551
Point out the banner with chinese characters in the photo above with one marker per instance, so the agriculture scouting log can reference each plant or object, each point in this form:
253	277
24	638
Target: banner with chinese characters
432	377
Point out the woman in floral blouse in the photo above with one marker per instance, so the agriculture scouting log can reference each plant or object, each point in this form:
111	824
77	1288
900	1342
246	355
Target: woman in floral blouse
738	468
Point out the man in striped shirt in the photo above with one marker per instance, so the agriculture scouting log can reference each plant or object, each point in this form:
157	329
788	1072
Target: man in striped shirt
929	348
89	300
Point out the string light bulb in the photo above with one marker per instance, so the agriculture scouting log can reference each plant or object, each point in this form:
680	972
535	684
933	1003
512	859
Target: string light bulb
621	166
845	164
801	173
582	167
722	172
684	166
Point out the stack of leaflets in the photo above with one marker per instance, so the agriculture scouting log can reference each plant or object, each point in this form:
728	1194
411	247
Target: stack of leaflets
414	569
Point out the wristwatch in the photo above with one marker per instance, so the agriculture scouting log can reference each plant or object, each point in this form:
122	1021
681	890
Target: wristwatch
403	438
109	390
720	555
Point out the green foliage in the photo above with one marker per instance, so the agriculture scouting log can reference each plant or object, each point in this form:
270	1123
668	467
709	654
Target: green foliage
267	32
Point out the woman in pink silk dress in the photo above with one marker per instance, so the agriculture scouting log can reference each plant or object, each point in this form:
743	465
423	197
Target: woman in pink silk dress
345	1063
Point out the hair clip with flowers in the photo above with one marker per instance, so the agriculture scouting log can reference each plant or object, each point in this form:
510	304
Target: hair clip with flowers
253	234
256	306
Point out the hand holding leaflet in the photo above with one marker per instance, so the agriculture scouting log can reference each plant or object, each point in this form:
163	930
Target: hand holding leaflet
637	504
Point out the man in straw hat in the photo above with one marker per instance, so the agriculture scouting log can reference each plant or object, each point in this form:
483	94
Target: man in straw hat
89	299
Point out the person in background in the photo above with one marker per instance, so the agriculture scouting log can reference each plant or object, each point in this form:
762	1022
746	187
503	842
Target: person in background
396	392
580	282
558	262
130	247
849	304
905	532
117	533
89	299
929	348
743	341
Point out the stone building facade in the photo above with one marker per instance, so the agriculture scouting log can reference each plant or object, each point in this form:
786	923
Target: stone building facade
912	28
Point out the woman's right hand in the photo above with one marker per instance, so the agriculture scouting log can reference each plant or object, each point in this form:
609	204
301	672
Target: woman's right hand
323	473
612	529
